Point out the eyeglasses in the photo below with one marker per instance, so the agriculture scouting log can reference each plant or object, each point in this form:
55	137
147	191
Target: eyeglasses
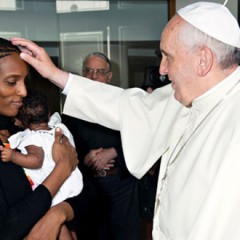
98	72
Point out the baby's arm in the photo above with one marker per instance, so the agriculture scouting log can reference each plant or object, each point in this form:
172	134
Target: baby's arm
33	159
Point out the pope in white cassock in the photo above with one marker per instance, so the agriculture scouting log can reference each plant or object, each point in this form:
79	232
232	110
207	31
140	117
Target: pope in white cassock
194	124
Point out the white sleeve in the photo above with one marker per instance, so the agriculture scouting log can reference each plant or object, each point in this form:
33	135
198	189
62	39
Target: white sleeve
144	120
68	84
94	102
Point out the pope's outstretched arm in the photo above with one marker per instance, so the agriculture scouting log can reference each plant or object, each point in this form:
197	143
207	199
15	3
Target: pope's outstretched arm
130	111
88	100
40	60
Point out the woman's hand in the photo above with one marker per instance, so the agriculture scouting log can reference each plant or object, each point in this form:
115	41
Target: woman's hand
65	157
48	227
63	152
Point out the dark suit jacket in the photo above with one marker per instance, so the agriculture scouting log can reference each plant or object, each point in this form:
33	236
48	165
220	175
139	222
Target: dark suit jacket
88	136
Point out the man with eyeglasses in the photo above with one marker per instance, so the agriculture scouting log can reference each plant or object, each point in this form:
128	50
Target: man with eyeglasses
193	124
102	163
97	67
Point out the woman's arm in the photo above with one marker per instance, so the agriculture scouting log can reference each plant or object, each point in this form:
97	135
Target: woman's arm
20	208
48	227
20	211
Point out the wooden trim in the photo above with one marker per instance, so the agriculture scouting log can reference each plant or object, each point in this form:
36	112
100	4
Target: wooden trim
238	14
171	8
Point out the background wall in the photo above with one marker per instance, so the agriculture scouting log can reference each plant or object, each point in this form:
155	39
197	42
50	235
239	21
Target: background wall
127	31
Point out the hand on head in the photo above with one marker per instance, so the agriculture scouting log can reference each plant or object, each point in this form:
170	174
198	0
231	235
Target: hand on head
38	58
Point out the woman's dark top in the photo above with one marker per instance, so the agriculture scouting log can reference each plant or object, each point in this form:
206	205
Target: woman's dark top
20	207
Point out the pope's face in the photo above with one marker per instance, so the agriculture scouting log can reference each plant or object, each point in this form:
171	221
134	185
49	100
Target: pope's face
178	62
13	71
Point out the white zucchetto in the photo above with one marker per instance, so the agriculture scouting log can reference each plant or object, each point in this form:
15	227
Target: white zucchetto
214	19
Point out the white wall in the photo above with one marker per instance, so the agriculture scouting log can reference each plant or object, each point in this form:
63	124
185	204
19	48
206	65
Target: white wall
232	4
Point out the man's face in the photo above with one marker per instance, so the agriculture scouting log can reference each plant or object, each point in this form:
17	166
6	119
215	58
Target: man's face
96	69
178	63
13	71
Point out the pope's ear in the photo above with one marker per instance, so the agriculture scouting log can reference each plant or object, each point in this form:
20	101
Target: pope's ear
205	61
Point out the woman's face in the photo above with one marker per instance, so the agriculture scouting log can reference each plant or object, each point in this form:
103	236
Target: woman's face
13	71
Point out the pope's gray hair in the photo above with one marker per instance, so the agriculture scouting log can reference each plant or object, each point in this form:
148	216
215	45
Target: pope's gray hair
226	55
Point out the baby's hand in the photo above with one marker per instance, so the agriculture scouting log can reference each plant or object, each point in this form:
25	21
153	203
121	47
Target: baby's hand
7	154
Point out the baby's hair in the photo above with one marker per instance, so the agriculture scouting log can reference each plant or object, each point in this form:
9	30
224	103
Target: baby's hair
34	109
6	48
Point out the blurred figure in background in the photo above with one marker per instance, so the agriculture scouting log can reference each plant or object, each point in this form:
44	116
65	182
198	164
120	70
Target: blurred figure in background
102	162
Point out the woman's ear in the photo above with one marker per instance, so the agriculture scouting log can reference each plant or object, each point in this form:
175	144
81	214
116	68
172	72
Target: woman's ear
205	61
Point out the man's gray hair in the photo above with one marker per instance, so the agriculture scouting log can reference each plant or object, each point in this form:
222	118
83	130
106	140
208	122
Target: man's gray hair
227	56
100	55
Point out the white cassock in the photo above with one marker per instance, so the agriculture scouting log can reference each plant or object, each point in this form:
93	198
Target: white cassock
198	195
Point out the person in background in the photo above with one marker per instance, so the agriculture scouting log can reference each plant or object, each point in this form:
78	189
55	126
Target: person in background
192	124
35	149
24	212
102	162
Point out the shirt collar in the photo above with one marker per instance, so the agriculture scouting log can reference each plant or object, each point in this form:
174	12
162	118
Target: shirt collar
209	99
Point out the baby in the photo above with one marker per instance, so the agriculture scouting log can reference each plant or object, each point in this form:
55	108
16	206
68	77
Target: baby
35	144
